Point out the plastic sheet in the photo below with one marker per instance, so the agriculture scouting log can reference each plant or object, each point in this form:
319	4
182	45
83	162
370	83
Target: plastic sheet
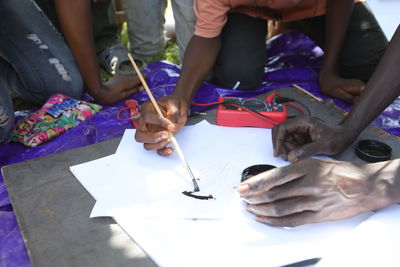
293	58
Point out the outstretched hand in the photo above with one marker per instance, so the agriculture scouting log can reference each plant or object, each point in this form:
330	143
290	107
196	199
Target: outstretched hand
311	191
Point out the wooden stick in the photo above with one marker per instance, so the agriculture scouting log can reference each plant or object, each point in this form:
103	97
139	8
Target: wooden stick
146	87
306	92
173	140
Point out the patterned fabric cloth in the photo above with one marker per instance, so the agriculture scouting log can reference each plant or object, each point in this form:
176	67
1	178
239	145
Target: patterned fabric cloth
59	114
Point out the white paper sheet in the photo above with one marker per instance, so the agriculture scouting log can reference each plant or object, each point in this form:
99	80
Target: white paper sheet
375	242
152	185
235	241
142	192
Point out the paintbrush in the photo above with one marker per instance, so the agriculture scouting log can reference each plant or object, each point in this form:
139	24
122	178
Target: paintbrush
173	140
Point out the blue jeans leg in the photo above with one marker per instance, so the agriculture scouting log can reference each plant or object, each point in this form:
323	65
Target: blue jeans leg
6	106
42	62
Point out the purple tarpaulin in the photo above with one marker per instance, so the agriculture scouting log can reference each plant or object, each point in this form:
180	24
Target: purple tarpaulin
292	58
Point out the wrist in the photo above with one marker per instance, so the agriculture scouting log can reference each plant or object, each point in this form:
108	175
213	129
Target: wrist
327	71
351	128
97	93
384	181
186	95
94	86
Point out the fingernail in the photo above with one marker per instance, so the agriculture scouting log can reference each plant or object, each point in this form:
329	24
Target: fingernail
164	136
243	188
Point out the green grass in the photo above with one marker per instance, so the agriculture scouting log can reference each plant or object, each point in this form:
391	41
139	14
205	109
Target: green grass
171	54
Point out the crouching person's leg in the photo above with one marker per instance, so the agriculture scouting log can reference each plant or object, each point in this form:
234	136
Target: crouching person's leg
243	54
6	112
41	61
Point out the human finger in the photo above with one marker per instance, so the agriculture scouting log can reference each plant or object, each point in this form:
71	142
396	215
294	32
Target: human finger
151	117
288	190
307	150
285	131
269	179
343	95
156	146
150	137
279	135
284	207
173	111
354	87
167	151
293	220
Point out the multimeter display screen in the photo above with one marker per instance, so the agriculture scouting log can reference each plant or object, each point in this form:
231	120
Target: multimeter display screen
251	104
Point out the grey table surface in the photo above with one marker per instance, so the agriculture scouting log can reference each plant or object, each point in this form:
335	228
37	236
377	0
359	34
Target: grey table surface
53	208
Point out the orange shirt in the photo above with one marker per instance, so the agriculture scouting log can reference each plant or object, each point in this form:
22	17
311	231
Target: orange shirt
212	14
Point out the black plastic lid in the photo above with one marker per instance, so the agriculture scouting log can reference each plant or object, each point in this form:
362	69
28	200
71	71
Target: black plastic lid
373	150
254	170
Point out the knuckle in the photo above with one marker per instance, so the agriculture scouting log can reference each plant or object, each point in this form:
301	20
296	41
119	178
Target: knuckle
146	115
271	195
139	136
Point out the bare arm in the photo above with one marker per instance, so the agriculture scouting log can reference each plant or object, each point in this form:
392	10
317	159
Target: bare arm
337	20
200	56
304	136
76	21
382	89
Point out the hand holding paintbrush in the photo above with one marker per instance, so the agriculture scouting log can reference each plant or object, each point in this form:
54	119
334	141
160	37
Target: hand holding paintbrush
166	123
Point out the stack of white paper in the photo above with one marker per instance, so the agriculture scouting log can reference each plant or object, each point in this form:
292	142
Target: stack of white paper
142	192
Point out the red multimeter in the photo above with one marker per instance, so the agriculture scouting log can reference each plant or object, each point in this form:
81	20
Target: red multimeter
239	112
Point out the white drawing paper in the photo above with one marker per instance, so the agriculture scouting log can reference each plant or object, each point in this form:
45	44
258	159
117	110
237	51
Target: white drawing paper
142	192
373	243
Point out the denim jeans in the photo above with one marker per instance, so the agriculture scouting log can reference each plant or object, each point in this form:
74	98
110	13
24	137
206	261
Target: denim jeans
146	25
35	62
104	21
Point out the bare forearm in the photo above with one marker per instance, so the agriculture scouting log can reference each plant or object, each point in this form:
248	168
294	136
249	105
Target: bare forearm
382	89
75	18
337	20
199	59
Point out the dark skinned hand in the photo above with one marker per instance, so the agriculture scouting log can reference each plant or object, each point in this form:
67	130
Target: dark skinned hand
347	90
306	136
312	190
153	130
117	88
